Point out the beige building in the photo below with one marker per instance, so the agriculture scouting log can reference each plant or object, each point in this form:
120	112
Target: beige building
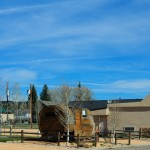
131	114
121	114
3	117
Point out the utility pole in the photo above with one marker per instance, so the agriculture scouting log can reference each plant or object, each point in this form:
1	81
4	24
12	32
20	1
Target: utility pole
31	105
7	97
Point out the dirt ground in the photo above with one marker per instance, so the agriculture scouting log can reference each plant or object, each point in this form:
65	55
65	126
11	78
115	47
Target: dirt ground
30	146
53	146
19	130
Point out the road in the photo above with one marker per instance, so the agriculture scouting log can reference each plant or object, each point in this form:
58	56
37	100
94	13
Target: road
146	147
143	147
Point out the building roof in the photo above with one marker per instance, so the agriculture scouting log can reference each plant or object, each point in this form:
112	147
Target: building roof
4	111
124	100
91	105
94	104
99	104
11	104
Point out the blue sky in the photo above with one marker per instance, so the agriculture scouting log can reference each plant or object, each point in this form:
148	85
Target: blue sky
102	43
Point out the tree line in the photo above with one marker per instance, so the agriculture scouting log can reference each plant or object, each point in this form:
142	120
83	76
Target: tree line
18	103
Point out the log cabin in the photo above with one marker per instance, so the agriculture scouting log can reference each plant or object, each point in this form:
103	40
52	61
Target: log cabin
50	123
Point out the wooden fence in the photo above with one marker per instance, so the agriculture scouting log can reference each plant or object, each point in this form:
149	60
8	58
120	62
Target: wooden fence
127	136
121	134
79	139
23	136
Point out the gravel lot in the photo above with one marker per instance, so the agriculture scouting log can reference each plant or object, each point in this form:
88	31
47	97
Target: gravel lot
47	146
143	147
146	147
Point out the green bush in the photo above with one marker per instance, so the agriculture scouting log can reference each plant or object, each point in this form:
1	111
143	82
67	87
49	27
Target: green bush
6	139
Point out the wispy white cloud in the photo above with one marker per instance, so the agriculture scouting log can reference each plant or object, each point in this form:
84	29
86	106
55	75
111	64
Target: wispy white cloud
83	35
18	75
60	4
86	63
59	59
123	86
21	9
135	84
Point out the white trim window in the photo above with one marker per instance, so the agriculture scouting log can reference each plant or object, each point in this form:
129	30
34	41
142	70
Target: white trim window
129	128
84	114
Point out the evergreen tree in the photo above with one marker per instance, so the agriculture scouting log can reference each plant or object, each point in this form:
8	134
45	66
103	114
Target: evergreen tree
45	94
34	102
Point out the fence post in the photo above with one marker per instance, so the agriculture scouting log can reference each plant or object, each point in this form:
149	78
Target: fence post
129	138
78	140
21	136
115	138
140	133
10	131
58	138
110	136
95	140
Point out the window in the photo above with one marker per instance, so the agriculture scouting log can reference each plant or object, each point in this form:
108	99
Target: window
128	128
84	113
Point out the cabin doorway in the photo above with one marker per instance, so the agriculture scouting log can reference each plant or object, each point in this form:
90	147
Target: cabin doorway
103	125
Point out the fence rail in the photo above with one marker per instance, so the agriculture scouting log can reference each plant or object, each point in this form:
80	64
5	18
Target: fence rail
138	134
23	136
129	135
119	134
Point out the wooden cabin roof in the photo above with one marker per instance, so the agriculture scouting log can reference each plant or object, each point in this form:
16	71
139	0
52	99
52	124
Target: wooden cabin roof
47	103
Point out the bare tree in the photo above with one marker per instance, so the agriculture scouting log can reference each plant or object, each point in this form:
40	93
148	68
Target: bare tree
2	98
82	93
114	117
38	109
16	97
63	95
2	90
18	104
